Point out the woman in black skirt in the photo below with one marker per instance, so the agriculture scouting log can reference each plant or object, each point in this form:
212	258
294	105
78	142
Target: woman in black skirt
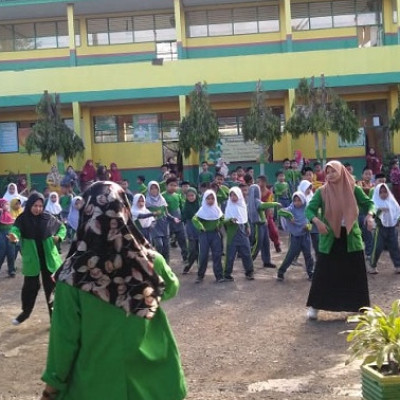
340	279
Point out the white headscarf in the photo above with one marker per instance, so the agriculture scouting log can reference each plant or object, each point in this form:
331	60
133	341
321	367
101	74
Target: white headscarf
301	196
237	210
154	201
8	196
135	210
209	213
303	186
391	215
73	216
53	207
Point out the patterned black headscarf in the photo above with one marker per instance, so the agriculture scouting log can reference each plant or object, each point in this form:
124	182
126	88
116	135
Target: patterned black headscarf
110	258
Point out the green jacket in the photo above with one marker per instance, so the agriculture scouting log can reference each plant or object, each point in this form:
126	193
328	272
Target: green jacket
232	228
207	225
354	239
30	257
97	352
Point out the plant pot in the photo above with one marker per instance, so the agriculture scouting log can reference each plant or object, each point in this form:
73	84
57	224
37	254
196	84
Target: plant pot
376	386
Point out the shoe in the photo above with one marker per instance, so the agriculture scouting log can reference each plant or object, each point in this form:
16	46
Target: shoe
280	277
250	276
278	249
229	278
397	270
186	270
11	275
15	322
269	265
372	270
312	313
220	280
174	245
199	279
296	263
20	319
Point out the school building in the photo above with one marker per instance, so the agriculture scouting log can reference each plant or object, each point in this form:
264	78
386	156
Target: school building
124	69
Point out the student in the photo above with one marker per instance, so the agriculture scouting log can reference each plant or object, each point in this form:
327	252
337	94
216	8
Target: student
240	173
259	227
163	169
65	202
379	178
221	190
39	232
268	196
175	205
319	172
203	188
299	240
7	249
156	203
339	280
387	220
142	188
292	176
395	178
233	181
205	175
208	221
73	216
88	175
237	232
143	218
12	193
189	210
281	189
185	186
308	174
109	337
245	191
129	194
115	174
15	208
248	179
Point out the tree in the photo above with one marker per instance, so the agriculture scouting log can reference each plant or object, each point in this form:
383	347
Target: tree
199	129
394	123
261	124
318	110
50	135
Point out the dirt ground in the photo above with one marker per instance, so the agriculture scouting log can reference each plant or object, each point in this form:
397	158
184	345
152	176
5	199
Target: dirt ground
240	340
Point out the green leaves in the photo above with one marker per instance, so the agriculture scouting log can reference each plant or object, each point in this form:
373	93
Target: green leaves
199	129
261	124
50	134
394	123
376	338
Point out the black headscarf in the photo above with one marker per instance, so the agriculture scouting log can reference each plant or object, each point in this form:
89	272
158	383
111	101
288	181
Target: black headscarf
110	258
36	227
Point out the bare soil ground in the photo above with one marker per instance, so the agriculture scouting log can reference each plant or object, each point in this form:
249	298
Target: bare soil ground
238	340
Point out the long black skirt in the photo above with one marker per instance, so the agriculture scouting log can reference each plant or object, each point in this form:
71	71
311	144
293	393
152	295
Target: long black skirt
340	279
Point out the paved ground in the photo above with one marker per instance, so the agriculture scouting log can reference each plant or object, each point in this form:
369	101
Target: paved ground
241	340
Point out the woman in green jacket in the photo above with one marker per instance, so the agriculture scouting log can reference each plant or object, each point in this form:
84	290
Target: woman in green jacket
339	280
38	232
109	339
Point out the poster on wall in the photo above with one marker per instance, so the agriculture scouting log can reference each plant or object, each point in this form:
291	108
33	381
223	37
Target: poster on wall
234	149
8	137
146	128
360	142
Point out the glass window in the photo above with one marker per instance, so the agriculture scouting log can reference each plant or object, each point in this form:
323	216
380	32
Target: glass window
245	20
165	27
143	28
300	17
167	51
268	19
343	13
121	30
105	129
196	22
394	11
369	12
320	15
220	22
228	126
97	31
125	128
24	36
46	35
146	128
170	126
6	38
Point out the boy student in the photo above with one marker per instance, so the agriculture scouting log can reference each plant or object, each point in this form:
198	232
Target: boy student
221	190
234	179
163	170
205	175
248	179
319	172
268	196
240	173
299	229
387	219
292	176
140	180
281	189
129	194
175	205
185	186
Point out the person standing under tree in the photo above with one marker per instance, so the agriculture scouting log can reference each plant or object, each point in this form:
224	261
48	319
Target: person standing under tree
38	232
340	279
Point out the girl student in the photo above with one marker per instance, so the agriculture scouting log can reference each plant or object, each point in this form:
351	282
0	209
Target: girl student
208	220
143	218
237	232
156	204
53	207
387	220
7	249
299	229
259	228
190	208
38	231
73	216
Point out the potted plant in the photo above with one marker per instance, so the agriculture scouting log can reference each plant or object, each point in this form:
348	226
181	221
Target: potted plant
376	339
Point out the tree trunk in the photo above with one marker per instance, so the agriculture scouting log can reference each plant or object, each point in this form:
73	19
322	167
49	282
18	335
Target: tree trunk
323	149
316	141
60	164
262	159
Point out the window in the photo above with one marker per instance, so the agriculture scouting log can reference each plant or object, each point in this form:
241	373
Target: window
232	21
320	15
343	13
97	31
167	51
144	28
300	17
8	137
36	35
121	30
105	129
228	126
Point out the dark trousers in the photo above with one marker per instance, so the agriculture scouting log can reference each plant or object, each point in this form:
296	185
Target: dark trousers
386	237
161	243
299	244
30	290
259	240
193	241
7	250
210	241
179	231
240	244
